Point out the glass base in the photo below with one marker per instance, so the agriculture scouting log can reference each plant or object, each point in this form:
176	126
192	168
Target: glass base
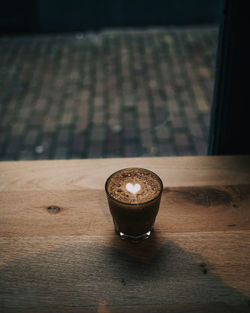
134	238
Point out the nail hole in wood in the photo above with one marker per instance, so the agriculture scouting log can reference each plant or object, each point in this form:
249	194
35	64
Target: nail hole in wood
203	268
53	209
124	282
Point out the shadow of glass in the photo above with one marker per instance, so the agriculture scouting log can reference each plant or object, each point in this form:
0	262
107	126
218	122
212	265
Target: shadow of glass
155	275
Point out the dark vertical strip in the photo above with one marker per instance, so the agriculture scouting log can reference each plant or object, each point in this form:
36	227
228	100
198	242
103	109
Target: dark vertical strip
230	127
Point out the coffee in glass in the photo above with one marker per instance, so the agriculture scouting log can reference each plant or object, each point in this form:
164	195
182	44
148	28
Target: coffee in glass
134	196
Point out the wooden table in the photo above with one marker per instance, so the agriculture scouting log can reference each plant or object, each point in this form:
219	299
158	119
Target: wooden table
68	259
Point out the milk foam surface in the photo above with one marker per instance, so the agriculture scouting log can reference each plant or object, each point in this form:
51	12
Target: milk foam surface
133	188
134	185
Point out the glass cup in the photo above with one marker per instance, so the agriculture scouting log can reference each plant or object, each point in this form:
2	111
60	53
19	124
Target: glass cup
134	221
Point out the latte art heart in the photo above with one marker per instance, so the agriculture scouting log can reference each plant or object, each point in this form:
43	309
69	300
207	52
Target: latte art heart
133	188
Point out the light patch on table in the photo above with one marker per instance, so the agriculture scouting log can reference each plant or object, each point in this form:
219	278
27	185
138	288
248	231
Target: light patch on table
133	188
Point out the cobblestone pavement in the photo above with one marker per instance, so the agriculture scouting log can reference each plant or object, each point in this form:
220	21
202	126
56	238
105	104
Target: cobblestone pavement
109	94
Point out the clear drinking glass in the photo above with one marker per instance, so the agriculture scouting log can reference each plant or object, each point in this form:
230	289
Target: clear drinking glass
134	221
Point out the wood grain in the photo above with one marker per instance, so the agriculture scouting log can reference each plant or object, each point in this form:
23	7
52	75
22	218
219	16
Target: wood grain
69	259
86	271
91	174
182	209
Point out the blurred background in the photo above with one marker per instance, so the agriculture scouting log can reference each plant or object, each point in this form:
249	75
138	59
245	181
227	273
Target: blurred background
110	78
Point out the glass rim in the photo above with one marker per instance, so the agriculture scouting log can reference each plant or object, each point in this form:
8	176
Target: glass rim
133	204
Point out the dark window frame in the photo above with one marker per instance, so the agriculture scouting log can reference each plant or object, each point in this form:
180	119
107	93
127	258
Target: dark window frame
230	115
